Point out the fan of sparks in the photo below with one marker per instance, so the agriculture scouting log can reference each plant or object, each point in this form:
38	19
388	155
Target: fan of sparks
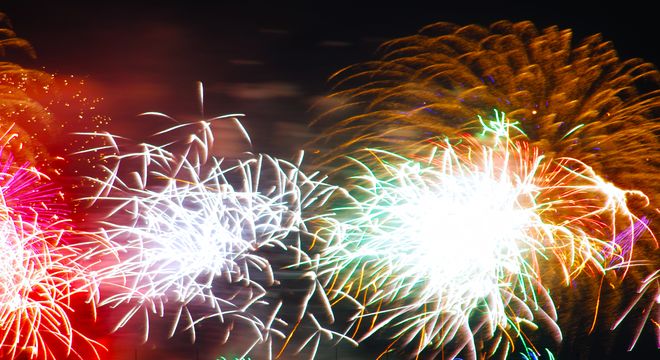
192	232
40	273
452	243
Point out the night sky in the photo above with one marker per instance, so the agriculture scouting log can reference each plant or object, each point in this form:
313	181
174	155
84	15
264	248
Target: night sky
268	61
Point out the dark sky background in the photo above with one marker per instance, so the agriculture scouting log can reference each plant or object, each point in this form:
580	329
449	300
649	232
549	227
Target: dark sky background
271	61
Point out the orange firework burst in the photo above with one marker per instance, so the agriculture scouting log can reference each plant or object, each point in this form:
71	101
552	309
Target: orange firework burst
581	102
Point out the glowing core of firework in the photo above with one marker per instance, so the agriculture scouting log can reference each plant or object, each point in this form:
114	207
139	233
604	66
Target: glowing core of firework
456	230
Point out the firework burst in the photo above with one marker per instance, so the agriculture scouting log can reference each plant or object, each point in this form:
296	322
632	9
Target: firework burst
40	276
428	243
193	234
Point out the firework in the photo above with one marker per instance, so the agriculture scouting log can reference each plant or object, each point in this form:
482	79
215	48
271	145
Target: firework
579	101
193	233
429	242
39	274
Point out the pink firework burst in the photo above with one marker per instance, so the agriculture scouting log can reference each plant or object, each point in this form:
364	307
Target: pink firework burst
40	276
